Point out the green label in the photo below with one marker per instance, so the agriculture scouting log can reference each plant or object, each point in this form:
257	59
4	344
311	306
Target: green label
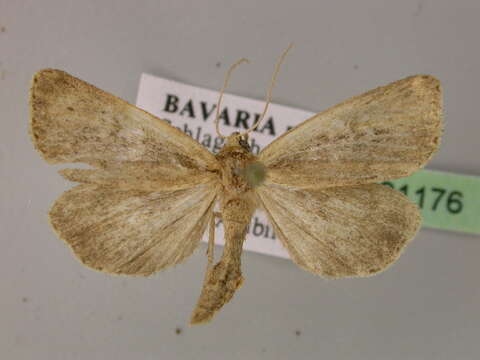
447	201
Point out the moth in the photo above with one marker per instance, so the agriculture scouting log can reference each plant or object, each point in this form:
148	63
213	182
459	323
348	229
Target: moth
151	190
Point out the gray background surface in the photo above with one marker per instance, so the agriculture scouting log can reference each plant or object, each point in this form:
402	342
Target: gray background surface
51	307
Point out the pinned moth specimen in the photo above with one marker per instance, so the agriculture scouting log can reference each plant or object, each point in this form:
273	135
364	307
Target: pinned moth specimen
150	192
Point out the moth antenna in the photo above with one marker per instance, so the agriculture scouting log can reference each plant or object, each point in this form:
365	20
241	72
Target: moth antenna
270	89
225	84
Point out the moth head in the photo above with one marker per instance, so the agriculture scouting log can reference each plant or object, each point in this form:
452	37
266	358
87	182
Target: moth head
237	139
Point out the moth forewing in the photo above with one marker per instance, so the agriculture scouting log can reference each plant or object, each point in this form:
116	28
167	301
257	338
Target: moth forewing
386	133
73	121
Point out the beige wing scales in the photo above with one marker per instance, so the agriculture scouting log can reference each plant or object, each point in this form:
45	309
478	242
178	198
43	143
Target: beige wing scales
73	121
129	231
149	195
386	133
319	193
342	231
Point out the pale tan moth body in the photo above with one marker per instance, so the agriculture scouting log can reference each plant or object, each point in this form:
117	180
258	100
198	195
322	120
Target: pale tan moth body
151	190
237	204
